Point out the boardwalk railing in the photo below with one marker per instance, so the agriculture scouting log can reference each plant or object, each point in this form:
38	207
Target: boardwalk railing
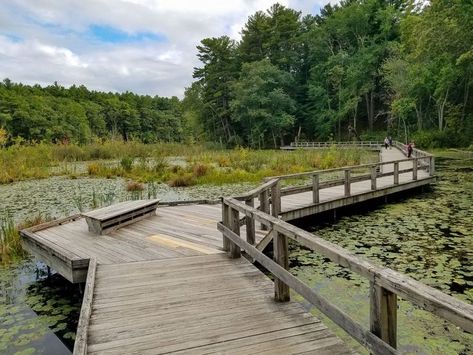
361	144
323	179
386	285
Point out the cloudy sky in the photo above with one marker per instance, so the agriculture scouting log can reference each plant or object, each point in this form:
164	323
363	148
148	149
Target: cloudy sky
144	46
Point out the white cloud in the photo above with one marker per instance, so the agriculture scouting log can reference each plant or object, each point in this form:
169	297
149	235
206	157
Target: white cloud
43	41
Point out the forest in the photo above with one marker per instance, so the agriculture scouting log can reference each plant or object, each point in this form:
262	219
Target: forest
55	114
361	69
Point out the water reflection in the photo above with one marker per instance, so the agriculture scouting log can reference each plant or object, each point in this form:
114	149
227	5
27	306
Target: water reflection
37	314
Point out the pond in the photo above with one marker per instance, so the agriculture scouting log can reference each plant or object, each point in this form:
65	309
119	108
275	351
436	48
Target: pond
61	196
40	314
428	236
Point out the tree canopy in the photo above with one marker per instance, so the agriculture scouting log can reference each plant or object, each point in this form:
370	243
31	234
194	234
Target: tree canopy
373	67
59	115
390	67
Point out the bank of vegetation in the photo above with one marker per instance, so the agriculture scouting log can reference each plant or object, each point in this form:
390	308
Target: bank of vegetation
171	163
357	70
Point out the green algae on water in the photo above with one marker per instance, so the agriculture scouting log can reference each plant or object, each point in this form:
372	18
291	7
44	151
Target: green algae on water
428	237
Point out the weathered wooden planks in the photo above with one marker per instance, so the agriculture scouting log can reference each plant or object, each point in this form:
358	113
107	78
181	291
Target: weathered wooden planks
177	231
198	305
394	178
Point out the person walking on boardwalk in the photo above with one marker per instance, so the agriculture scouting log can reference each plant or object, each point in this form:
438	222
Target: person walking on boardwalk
409	150
390	139
386	143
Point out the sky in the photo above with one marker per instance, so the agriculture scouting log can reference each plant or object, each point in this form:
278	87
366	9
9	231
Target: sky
143	46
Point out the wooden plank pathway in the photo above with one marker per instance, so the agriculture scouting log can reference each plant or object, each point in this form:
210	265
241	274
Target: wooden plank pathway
165	283
301	204
178	231
198	305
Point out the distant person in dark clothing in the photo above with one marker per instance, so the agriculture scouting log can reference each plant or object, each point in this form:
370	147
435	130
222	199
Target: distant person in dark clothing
390	139
409	150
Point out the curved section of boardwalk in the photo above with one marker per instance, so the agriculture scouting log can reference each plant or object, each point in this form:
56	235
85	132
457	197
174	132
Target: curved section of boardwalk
196	305
164	283
302	204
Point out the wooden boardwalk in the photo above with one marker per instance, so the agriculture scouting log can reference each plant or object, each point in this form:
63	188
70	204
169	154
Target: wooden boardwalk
300	205
198	305
178	231
165	283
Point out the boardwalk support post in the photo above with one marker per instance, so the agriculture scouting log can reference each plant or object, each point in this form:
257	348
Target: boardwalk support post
281	256
315	188
414	169
347	182
250	224
264	205
235	251
226	223
396	173
432	166
374	174
276	199
383	314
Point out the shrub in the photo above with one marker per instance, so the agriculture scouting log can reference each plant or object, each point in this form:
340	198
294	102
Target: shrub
126	164
200	170
94	168
182	180
134	186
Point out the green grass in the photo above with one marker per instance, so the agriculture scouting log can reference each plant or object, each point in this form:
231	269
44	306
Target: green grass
10	239
151	163
232	166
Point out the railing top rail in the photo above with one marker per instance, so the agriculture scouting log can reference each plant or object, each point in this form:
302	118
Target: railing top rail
256	191
355	143
351	167
426	297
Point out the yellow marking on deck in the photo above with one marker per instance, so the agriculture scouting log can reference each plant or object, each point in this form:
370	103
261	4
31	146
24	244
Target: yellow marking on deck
175	243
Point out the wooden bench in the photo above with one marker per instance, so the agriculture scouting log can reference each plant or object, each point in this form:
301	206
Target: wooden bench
107	219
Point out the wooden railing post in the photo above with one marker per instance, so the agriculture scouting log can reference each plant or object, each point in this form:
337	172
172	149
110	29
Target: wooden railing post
235	251
276	199
226	223
383	314
347	182
264	205
315	188
432	166
414	169
374	174
281	256
250	224
396	173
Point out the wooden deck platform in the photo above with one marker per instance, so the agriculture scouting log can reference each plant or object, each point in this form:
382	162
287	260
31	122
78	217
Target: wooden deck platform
198	305
178	231
165	283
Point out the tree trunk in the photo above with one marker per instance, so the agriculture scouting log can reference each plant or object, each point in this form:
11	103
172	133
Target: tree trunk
369	99
441	111
339	110
298	137
419	117
465	98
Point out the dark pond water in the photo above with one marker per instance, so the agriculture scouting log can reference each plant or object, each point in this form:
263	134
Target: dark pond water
429	237
38	314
